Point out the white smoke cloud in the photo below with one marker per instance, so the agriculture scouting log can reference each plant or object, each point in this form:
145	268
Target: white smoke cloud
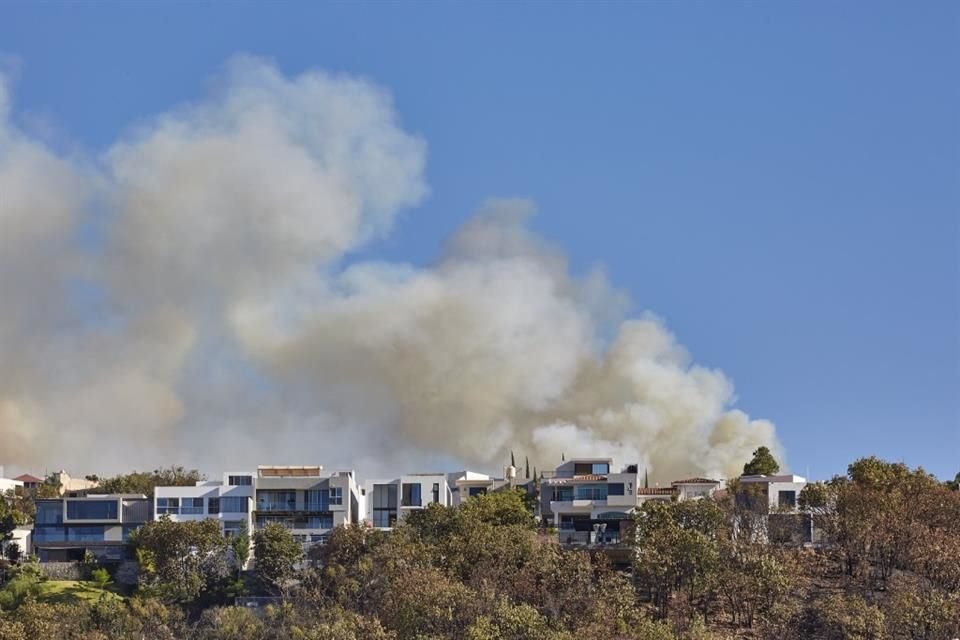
224	334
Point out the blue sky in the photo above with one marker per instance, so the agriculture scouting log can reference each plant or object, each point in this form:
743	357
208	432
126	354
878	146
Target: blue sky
778	182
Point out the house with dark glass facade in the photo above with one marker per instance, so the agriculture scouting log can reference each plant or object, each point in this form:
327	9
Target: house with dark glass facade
68	529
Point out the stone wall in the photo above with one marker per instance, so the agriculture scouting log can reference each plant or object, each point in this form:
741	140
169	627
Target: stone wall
62	570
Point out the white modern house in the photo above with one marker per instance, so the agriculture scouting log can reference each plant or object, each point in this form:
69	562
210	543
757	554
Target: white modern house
8	484
305	499
781	491
466	484
588	501
695	488
229	501
386	502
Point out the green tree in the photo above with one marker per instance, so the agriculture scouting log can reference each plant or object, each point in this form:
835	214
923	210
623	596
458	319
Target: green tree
955	483
240	545
179	560
276	555
100	577
145	482
763	463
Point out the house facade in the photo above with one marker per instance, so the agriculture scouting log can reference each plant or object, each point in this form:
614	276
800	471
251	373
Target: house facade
229	501
386	502
67	529
588	501
306	500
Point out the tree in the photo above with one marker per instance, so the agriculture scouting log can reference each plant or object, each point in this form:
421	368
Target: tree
526	464
240	545
100	577
182	559
763	463
955	483
276	556
145	482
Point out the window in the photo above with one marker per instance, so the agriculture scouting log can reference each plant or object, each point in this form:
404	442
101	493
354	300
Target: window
276	500
49	534
411	495
591	468
787	499
85	533
562	494
231	504
336	495
233	527
615	489
92	510
384	505
213	506
320	522
239	481
382	518
590	492
476	491
192	506
169	506
49	512
316	499
436	492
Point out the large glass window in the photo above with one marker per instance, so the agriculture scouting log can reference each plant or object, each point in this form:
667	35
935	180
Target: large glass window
276	500
591	468
384	505
383	518
239	481
170	506
192	506
476	491
411	495
320	522
49	512
336	495
787	499
85	533
233	527
317	499
562	494
213	506
590	492
49	534
615	489
92	509
233	504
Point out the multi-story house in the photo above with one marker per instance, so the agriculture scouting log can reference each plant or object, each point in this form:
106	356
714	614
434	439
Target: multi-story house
695	488
70	528
30	483
779	493
306	500
229	501
589	502
466	484
769	509
388	501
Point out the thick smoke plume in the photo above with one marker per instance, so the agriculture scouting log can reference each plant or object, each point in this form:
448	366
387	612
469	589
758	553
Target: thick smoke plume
181	297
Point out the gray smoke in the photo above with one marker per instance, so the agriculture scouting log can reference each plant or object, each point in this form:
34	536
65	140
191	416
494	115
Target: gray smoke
179	298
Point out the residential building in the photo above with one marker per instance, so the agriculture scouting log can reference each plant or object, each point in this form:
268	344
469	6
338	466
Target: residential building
388	501
466	484
589	502
72	487
22	537
778	492
70	528
8	484
695	488
306	500
30	483
229	501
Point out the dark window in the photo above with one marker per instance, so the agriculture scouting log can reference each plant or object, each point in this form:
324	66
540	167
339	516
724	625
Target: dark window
192	506
582	468
316	499
787	499
85	533
213	505
50	512
384	505
336	495
168	505
476	491
230	504
411	495
615	489
239	481
92	509
436	492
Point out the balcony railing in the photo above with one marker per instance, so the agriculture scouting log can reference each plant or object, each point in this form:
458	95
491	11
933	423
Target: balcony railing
276	506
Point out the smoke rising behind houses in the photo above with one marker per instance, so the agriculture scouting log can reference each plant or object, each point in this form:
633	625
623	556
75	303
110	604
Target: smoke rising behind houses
183	296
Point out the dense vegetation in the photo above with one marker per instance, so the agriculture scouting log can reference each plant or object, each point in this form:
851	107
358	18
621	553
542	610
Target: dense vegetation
889	568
